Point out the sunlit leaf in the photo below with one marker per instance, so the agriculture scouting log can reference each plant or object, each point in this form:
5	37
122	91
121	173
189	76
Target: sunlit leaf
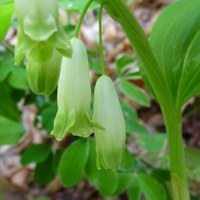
6	12
73	161
10	131
177	47
134	92
151	188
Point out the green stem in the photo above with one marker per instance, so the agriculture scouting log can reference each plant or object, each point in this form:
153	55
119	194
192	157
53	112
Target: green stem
80	21
153	74
173	121
103	71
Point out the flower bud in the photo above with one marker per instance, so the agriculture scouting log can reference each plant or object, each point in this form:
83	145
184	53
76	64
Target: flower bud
110	142
42	41
74	94
38	19
43	75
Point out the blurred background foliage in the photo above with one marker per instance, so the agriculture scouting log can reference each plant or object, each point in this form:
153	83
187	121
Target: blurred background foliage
32	162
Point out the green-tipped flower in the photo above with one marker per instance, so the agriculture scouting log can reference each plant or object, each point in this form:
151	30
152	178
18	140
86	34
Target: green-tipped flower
42	41
74	94
43	75
110	143
38	19
38	22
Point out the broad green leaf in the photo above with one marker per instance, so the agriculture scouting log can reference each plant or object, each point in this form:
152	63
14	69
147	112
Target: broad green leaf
18	78
8	107
134	190
6	65
151	188
10	131
106	181
35	153
6	12
176	46
72	163
134	92
44	171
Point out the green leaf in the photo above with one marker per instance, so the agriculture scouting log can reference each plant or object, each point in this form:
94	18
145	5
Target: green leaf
134	191
44	171
35	153
6	64
10	131
72	163
177	48
192	157
123	182
151	188
6	12
8	107
134	92
132	120
128	162
18	78
123	63
76	5
161	174
106	181
151	142
48	114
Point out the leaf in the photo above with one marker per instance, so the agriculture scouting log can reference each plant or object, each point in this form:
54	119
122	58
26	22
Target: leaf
177	47
6	65
151	188
72	163
35	153
48	114
128	163
106	181
161	174
10	131
123	182
134	191
132	120
18	78
44	171
123	63
192	157
134	92
151	142
8	107
76	5
6	12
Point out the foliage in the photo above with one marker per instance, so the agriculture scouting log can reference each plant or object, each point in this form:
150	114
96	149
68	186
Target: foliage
169	67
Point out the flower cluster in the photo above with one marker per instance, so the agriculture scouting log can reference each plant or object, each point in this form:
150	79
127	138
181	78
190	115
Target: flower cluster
74	99
42	41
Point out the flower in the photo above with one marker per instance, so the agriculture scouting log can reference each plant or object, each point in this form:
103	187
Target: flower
110	142
41	39
74	94
43	75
